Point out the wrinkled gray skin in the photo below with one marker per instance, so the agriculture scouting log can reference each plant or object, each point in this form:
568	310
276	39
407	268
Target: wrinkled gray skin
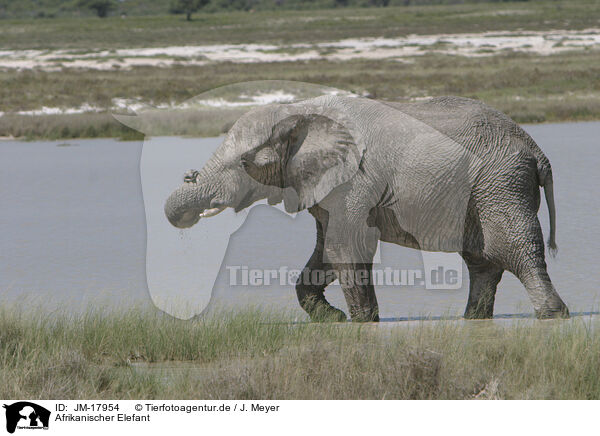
449	174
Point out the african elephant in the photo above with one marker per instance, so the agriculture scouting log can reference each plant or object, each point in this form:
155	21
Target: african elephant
449	174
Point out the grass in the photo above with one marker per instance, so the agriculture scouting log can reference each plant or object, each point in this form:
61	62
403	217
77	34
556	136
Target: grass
254	355
561	87
295	26
529	88
69	126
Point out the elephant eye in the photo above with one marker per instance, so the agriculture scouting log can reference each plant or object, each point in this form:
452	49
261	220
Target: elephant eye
191	176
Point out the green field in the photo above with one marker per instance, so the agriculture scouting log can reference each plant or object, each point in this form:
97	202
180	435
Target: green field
296	26
530	87
252	355
563	87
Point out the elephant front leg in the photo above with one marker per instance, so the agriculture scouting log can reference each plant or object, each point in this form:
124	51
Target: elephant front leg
351	250
310	289
349	246
311	284
359	292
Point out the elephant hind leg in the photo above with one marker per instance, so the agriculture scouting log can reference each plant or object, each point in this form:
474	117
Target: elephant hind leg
527	262
484	277
546	301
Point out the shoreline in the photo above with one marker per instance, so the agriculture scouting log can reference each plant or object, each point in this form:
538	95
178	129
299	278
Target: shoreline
123	133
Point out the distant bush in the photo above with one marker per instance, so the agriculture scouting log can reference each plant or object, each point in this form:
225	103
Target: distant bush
102	8
187	7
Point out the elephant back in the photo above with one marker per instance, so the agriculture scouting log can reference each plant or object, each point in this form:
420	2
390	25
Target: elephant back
481	129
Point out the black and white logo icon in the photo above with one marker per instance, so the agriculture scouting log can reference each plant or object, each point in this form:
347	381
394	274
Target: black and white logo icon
26	415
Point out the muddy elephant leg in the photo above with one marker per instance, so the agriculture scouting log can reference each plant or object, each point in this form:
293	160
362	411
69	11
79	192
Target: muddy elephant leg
359	292
546	301
311	284
350	247
529	265
484	277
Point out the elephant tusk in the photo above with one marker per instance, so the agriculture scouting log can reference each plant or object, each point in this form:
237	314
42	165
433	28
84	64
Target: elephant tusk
211	212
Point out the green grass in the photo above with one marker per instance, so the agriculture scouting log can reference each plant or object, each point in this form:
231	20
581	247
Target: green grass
561	87
295	26
65	127
253	355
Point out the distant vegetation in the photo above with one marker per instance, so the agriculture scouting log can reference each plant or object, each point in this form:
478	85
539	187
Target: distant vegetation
102	8
563	87
187	7
528	87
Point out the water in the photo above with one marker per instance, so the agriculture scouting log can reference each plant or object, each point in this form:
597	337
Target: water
73	232
73	224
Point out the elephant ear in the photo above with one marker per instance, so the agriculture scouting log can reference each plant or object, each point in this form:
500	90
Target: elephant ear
319	155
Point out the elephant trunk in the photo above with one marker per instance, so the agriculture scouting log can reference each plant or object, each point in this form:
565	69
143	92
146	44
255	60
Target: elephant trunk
187	203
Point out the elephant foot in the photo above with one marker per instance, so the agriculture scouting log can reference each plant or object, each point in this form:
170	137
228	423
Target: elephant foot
319	309
478	314
561	312
325	312
369	315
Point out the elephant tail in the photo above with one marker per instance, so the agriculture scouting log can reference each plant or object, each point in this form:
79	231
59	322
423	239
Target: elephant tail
549	193
544	173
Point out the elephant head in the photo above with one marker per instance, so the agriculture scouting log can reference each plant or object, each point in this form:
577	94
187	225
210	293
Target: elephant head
297	153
